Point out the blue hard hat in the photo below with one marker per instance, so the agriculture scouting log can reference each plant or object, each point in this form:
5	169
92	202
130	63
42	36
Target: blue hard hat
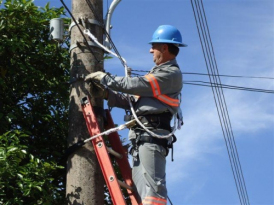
167	34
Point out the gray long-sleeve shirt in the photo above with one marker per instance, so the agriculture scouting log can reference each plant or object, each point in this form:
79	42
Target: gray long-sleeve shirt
154	93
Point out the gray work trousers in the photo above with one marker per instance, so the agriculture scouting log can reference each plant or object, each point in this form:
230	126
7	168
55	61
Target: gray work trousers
149	174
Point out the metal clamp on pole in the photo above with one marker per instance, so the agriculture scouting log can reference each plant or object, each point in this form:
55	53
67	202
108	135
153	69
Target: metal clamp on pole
77	44
83	21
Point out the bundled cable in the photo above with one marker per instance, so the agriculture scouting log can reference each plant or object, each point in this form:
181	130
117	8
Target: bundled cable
215	82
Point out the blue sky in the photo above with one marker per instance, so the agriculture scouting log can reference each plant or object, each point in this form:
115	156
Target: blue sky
242	34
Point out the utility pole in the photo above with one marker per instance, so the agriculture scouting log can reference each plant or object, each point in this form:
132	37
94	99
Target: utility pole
85	183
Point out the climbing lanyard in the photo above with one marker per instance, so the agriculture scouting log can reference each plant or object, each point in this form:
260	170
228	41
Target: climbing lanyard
129	124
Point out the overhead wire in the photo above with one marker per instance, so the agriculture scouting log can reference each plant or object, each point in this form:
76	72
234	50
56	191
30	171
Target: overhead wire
232	76
105	31
219	101
86	41
101	24
207	61
207	84
215	83
237	160
205	74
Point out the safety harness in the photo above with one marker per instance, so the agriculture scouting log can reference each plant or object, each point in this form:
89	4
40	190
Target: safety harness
153	121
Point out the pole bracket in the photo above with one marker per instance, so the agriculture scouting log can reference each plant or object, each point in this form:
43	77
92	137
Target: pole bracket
83	22
77	44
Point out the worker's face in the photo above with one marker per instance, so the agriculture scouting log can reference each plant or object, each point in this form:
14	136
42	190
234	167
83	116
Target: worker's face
157	49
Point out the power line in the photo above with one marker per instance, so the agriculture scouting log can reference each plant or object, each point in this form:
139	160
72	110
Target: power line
101	24
205	74
218	93
86	41
231	76
208	84
105	31
215	82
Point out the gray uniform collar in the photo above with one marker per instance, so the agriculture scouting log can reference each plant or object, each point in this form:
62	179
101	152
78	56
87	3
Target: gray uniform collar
171	62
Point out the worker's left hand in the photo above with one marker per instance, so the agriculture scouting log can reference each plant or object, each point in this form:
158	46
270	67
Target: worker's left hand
98	90
97	76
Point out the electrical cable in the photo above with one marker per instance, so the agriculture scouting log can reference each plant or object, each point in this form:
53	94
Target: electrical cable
226	120
86	41
242	180
204	74
233	87
208	63
202	83
219	99
105	31
232	76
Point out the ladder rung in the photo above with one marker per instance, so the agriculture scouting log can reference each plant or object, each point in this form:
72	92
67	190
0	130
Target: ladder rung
116	154
124	185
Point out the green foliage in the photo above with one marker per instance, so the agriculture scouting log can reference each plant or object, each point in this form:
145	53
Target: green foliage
33	104
24	178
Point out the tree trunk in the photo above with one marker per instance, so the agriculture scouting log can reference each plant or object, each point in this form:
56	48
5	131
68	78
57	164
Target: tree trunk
85	183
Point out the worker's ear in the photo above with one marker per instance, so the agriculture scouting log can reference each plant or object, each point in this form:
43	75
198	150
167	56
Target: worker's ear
165	48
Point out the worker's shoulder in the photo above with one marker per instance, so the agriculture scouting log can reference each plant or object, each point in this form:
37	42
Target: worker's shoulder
170	68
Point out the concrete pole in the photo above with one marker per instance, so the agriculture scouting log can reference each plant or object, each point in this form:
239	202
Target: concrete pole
85	183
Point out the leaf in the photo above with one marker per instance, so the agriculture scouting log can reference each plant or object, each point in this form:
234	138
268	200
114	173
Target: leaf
24	151
12	149
31	157
39	188
26	192
20	185
20	176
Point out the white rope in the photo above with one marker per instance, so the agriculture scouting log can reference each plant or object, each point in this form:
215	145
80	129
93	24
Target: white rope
147	130
86	31
115	129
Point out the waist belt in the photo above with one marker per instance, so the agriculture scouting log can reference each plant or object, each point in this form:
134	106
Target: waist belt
156	121
154	140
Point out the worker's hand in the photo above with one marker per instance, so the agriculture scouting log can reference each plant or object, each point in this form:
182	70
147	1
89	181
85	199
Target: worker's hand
97	76
98	90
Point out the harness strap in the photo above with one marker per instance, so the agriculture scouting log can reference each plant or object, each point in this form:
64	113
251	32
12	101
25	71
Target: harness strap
154	140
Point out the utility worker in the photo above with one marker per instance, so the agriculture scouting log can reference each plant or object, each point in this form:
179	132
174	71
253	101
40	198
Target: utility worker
155	98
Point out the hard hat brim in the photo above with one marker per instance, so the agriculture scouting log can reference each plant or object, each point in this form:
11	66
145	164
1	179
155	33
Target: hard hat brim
179	44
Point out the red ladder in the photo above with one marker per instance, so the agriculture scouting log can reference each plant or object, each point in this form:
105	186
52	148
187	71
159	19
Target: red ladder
102	153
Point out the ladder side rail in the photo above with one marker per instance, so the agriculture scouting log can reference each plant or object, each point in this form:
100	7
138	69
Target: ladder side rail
123	163
103	156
